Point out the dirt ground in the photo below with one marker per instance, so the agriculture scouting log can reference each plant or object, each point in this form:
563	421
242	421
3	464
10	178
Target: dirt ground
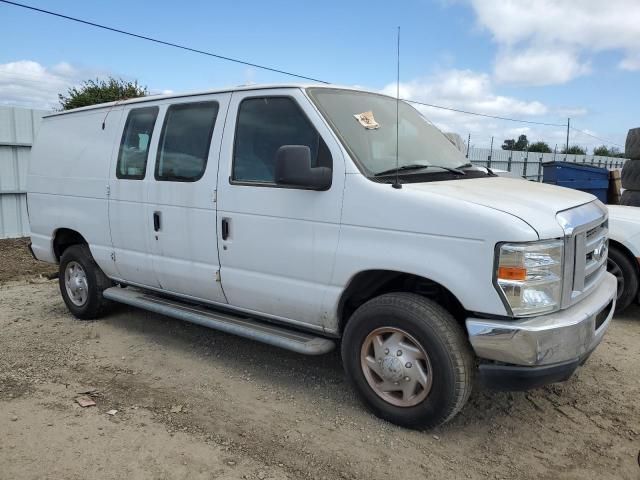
16	262
194	403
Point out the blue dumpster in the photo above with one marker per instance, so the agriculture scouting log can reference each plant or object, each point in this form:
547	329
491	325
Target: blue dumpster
593	180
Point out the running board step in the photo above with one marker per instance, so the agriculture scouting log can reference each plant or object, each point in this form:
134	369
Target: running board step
236	325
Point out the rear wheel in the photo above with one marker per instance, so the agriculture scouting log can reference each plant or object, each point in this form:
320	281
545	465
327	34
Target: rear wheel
408	359
82	282
626	274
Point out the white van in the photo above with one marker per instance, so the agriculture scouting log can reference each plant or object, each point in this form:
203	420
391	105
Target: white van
274	213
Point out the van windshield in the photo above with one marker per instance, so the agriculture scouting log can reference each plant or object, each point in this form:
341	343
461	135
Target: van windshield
366	124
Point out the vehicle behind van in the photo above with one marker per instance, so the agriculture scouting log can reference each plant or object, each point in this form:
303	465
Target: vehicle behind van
310	217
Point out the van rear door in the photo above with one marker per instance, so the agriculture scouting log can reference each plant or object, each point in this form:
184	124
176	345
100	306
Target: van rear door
181	197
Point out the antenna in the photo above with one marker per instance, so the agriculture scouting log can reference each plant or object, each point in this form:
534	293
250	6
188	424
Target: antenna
397	183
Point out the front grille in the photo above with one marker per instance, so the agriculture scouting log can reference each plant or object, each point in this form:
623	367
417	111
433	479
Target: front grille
596	249
586	245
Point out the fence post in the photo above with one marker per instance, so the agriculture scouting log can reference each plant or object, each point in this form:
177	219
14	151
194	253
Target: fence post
468	145
490	154
540	167
509	161
524	169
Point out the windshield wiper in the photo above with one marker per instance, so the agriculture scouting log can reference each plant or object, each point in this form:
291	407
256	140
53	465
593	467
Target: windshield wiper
456	170
418	166
413	166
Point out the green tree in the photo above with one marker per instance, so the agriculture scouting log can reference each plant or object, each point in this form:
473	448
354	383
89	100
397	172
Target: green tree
519	145
602	151
574	150
101	91
541	147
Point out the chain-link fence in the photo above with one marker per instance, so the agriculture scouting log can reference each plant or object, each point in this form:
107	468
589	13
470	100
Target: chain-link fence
529	164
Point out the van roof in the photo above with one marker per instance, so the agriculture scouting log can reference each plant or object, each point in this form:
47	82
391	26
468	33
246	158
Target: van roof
151	98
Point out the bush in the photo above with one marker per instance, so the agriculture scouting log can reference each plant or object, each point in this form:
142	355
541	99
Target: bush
541	147
96	91
574	150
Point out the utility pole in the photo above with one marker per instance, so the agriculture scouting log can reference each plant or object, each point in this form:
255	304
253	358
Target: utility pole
568	126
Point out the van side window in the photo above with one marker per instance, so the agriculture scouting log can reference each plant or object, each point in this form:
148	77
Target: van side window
264	125
185	140
134	146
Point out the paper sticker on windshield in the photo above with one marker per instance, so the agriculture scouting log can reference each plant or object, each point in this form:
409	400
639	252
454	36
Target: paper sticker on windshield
366	120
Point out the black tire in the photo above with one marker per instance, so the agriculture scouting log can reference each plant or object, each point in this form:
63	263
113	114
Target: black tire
621	266
631	175
632	145
438	333
630	198
95	304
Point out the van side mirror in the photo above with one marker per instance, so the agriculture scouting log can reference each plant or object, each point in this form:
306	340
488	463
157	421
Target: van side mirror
293	168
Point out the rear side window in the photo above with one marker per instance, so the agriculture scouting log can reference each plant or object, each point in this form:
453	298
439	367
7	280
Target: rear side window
185	140
134	146
264	125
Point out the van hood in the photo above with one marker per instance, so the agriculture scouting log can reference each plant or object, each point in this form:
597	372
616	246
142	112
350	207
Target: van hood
535	203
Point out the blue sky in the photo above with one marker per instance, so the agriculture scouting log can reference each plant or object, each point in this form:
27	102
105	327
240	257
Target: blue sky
540	60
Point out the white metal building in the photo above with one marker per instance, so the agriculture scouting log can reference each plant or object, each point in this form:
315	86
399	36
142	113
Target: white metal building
18	128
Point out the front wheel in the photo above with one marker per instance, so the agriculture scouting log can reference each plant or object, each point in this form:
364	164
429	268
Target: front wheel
408	359
627	276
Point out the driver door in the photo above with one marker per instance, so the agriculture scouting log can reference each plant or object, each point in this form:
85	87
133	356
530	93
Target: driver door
278	244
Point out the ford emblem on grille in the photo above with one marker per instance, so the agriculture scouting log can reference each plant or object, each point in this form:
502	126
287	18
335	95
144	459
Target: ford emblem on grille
600	250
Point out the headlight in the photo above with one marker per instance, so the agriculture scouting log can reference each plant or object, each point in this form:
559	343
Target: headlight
529	276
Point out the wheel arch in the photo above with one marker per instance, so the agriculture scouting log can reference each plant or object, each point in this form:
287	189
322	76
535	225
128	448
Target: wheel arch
63	238
369	284
627	253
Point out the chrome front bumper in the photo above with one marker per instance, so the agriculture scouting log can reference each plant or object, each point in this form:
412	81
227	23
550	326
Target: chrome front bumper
559	337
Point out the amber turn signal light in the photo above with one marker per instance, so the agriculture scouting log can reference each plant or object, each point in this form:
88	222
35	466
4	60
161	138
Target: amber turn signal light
512	273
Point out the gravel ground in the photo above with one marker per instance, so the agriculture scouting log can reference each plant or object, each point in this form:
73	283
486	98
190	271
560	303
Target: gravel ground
195	403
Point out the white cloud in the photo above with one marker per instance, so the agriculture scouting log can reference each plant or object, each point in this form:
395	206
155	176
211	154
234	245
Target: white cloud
466	90
475	92
556	36
630	62
27	83
536	66
572	112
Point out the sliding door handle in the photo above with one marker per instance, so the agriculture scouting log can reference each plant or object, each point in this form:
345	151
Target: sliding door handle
156	221
225	228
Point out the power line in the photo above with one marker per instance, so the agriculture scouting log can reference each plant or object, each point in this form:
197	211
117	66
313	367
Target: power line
597	138
482	114
273	69
162	42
